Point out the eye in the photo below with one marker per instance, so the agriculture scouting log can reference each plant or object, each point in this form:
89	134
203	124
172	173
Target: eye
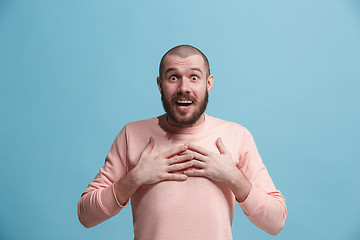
173	78
194	78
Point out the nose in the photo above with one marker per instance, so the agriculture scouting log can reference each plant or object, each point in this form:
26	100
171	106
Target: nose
184	86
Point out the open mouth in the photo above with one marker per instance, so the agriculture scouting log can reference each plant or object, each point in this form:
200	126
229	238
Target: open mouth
184	103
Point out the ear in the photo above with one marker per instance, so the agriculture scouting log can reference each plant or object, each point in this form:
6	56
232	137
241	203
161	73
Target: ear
210	83
158	80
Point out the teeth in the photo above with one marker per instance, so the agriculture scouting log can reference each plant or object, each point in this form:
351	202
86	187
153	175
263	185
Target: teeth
184	103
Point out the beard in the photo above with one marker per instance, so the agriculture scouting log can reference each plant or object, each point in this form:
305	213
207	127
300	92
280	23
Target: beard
193	118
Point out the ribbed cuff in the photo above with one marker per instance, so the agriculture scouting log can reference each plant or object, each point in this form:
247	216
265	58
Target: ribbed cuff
120	205
109	201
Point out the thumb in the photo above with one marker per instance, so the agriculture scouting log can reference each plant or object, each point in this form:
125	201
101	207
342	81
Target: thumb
220	145
149	147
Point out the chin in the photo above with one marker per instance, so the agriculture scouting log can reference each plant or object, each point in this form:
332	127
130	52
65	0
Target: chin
183	121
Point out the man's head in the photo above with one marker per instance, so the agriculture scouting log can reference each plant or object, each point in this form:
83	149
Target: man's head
184	51
184	82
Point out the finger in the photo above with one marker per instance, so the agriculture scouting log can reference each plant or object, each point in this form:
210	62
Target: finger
174	151
149	147
179	166
195	173
187	151
220	145
199	149
175	176
199	156
180	158
198	164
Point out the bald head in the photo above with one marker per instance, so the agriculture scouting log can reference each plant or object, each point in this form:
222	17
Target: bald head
184	51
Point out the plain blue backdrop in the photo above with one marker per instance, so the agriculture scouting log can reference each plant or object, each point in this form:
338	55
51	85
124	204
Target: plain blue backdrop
74	72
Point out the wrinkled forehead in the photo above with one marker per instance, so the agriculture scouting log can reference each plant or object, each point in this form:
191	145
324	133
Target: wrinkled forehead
175	62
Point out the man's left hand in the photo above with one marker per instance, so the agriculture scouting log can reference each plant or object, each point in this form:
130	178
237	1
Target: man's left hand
218	167
215	166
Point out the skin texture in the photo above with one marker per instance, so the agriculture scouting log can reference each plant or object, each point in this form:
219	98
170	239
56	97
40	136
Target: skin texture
184	79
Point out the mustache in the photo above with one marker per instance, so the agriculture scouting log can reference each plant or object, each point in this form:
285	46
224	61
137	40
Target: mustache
183	96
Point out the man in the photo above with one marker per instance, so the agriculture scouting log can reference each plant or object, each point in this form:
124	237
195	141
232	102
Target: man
184	170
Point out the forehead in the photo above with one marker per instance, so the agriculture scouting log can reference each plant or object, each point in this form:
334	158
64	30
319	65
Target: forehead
175	62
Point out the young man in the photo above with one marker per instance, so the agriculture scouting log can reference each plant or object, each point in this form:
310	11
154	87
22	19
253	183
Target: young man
185	170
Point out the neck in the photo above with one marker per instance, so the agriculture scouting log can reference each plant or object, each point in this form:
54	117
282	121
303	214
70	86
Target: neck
197	123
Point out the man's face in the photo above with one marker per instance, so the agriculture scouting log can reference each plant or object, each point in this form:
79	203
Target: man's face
184	89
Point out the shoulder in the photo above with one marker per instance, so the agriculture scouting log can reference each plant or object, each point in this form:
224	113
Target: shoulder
142	126
229	129
217	122
142	123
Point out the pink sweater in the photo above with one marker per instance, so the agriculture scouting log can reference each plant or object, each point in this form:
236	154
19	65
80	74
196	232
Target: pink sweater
196	208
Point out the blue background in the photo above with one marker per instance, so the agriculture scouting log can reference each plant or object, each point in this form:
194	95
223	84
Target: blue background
74	72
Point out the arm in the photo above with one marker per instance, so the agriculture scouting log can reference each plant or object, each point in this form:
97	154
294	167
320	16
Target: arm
98	202
250	183
264	206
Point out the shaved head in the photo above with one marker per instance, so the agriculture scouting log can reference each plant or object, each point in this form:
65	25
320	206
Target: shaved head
184	51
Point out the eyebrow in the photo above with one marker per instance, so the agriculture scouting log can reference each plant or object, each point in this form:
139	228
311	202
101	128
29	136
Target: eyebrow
196	69
169	70
174	69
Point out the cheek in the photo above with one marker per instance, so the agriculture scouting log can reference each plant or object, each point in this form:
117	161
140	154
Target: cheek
168	91
200	92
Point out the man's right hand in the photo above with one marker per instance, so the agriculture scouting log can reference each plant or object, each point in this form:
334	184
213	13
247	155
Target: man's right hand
153	169
165	166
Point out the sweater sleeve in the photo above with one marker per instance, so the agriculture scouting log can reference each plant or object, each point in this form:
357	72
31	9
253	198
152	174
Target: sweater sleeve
98	202
264	206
